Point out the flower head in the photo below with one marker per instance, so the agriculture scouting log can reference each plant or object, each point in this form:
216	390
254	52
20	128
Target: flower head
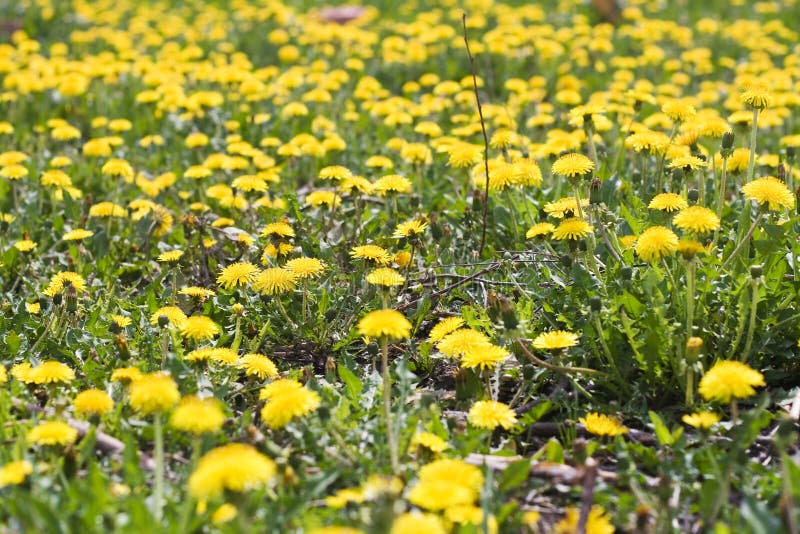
199	327
446	483
430	441
597	523
655	243
602	425
234	467
444	327
152	393
757	96
15	473
555	340
668	202
305	267
237	274
371	252
389	323
257	365
197	416
702	420
491	414
52	433
539	229
696	220
385	276
572	164
573	229
769	191
275	280
50	372
92	402
728	380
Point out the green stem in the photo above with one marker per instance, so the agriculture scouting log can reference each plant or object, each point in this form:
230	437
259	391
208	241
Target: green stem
691	269
742	242
751	165
158	495
751	327
387	404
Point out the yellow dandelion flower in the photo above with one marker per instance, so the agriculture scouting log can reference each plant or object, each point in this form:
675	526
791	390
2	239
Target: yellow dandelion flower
655	243
52	433
25	245
757	96
305	267
385	276
174	316
92	402
257	365
598	522
170	256
283	407
430	441
280	228
197	416
235	467
196	292
50	372
696	220
539	230
389	323
703	420
392	183
572	229
491	414
770	191
416	523
485	357
728	380
126	375
572	165
444	327
237	274
555	340
371	252
15	473
462	341
318	198
275	280
446	483
602	425
668	202
153	393
77	234
200	327
409	228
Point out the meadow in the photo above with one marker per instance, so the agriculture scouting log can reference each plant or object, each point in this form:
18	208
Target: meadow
423	267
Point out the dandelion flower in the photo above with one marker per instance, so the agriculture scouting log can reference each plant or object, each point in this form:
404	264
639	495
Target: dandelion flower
92	402
52	433
416	523
572	164
430	441
572	229
769	191
278	387
385	276
555	340
371	252
223	514
688	248
170	256
757	96
200	327
389	323
392	183
728	380
602	425
305	267
598	522
235	467
539	229
462	341
237	274
50	372
290	404
77	234
655	243
696	220
257	365
274	281
174	315
703	420
668	202
491	414
153	393
126	375
15	473
197	416
484	357
445	483
280	228
409	228
444	327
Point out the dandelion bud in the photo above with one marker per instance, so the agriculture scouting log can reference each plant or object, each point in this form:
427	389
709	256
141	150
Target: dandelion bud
237	309
402	258
508	314
163	321
121	342
330	370
57	299
727	145
582	245
595	304
790	153
756	271
290	477
693	195
781	172
626	273
693	348
114	328
594	191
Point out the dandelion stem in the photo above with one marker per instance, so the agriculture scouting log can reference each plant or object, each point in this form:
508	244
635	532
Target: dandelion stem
387	404
751	327
721	196
283	312
742	242
483	130
158	496
751	165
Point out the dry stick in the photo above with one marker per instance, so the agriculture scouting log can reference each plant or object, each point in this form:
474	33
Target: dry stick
483	130
552	367
588	494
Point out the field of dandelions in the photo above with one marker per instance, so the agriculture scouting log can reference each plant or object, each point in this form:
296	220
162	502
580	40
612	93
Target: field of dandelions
420	267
